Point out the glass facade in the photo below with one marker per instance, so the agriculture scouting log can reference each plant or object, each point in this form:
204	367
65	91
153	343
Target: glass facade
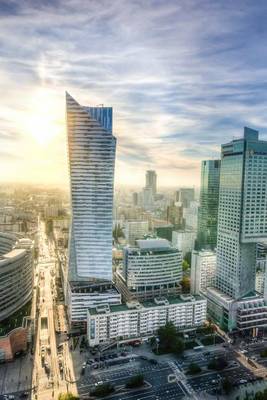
242	217
91	148
209	202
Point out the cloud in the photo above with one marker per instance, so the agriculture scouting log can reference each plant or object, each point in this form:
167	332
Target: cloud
182	77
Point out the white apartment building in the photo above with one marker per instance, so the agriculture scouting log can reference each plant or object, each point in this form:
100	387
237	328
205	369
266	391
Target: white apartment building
136	320
135	230
184	240
81	296
203	269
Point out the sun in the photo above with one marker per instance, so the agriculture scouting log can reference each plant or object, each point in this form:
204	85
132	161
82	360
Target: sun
42	119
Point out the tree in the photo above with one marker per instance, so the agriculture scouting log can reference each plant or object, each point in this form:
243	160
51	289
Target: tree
193	369
103	390
187	258
135	381
185	284
167	336
263	353
67	396
185	265
218	364
169	342
227	386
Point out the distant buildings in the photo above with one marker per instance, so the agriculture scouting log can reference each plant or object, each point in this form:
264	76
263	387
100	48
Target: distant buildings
151	181
175	215
151	269
136	320
184	240
242	222
203	269
135	230
209	204
185	196
91	147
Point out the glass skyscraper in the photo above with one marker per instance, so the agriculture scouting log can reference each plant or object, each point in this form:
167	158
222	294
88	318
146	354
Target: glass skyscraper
151	181
91	148
242	217
209	203
242	223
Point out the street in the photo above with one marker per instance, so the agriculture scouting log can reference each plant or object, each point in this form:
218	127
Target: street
48	380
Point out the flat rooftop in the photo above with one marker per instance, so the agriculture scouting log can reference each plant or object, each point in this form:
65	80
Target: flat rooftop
158	302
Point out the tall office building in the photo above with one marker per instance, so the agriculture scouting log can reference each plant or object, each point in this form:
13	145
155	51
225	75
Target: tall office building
151	181
209	203
242	223
91	147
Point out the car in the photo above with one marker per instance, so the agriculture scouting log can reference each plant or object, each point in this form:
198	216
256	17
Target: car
242	381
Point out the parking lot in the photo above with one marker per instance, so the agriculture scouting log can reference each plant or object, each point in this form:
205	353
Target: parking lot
209	380
155	375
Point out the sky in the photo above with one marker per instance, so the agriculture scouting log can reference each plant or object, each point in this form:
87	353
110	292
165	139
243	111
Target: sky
182	76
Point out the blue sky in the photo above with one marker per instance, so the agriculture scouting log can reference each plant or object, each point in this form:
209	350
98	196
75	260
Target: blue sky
182	76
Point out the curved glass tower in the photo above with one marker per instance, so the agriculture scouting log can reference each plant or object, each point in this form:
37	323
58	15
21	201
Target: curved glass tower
91	147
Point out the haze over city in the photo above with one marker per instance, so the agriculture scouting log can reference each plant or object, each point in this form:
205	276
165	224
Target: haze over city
181	77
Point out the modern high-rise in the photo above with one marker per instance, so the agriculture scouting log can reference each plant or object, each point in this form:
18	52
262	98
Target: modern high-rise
242	223
203	269
209	203
91	150
151	181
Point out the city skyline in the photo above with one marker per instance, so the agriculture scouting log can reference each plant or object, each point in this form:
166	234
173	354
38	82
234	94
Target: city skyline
163	81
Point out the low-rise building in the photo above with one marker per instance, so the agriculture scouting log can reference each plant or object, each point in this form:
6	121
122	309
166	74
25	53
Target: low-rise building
136	320
82	295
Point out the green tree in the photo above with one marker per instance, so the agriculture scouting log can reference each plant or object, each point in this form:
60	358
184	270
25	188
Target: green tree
227	386
67	396
185	283
103	390
135	381
218	364
193	369
185	265
167	336
263	353
169	342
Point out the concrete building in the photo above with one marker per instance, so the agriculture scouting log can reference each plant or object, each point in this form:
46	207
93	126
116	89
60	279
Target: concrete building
153	268
83	296
135	230
137	320
91	146
190	215
175	215
151	181
242	223
16	274
203	270
185	196
184	240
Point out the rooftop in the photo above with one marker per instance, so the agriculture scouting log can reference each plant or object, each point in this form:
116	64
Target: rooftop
135	305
